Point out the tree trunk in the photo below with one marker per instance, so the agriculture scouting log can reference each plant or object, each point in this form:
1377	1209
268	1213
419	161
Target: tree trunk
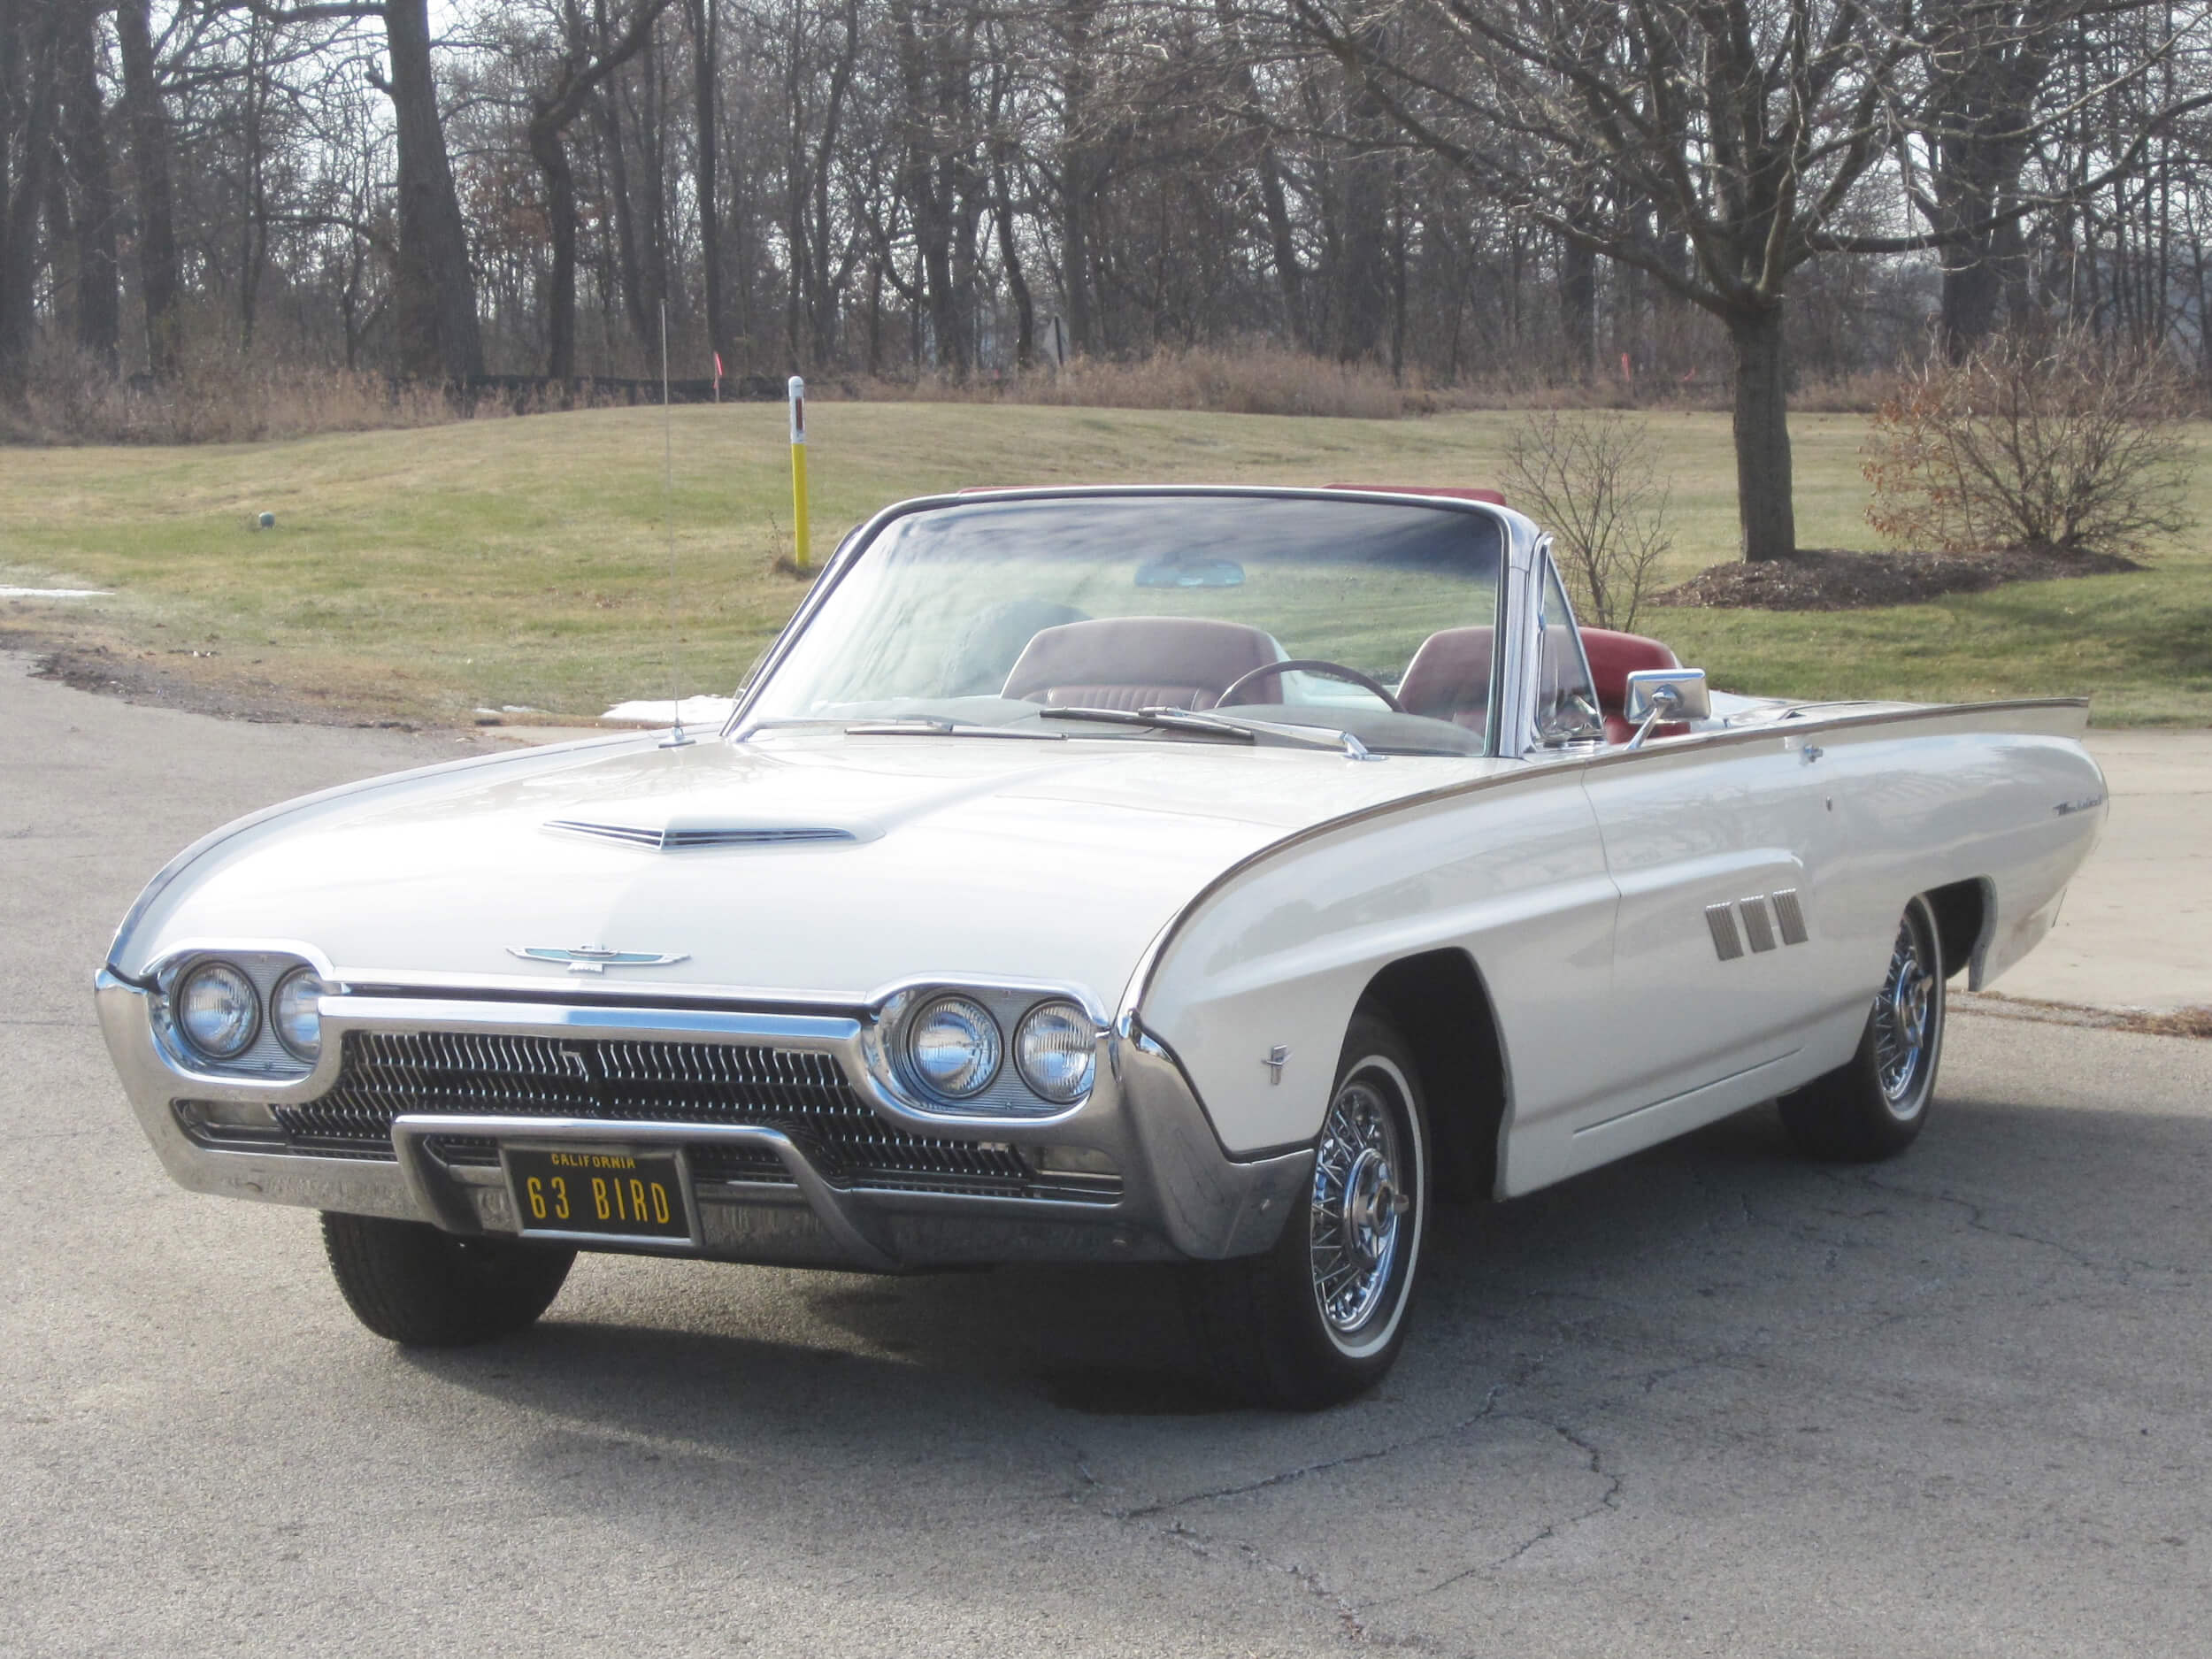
704	61
1763	503
27	120
160	283
1578	309
551	155
84	140
435	310
1017	282
608	107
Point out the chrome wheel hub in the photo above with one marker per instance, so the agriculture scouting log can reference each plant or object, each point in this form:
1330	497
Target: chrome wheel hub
1359	1208
1904	1015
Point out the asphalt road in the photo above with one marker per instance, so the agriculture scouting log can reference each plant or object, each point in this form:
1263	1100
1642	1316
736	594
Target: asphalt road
1713	1400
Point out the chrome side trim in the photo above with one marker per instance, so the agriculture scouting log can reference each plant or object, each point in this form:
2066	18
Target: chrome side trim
1131	1006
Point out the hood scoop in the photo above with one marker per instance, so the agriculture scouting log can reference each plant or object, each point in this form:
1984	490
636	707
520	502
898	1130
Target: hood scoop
689	834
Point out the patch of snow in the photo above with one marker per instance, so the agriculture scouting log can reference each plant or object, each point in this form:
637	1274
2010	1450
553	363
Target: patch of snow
55	593
696	712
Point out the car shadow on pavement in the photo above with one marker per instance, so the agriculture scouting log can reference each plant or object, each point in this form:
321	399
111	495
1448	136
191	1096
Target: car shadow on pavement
1722	1242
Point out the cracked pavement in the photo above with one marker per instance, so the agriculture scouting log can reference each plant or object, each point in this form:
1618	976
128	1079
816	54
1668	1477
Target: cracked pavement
1714	1399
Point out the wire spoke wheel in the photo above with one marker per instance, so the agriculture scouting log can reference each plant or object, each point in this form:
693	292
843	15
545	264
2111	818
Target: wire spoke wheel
1360	1205
1904	1017
1875	1104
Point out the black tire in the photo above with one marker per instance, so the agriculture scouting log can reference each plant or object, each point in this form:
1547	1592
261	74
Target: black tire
1260	1320
417	1285
1874	1104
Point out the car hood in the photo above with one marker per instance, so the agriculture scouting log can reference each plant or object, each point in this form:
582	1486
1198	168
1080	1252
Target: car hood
815	866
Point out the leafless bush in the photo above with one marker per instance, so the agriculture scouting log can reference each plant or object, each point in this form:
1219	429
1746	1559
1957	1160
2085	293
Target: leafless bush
2056	441
1592	480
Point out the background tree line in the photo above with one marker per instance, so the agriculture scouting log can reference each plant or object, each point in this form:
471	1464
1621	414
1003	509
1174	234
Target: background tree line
1738	194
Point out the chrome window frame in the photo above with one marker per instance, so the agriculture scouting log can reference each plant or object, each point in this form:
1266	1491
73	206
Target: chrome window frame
1515	534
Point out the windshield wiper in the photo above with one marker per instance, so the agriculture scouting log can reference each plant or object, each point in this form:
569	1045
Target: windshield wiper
931	725
1188	720
1165	719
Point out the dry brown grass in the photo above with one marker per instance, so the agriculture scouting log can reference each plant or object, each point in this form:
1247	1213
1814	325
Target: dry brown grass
219	395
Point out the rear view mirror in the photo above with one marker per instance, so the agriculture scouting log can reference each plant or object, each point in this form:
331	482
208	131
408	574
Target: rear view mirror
1666	693
1190	573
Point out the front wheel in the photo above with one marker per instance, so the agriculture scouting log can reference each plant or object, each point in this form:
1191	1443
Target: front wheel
1320	1317
417	1285
1874	1104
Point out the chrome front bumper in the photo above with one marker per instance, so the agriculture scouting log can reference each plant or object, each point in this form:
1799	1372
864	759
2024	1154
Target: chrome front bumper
1182	1197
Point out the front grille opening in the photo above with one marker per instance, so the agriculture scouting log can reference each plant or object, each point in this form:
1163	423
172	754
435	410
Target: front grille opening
806	1094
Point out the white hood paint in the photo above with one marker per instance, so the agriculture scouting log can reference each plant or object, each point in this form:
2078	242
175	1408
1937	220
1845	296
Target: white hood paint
1052	861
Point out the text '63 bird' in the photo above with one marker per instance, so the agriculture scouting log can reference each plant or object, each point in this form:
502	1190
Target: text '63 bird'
1218	876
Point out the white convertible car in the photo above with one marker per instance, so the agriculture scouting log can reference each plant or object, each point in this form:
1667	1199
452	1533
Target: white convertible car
1219	876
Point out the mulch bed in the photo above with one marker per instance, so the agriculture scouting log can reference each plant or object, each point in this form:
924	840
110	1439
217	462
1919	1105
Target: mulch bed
1820	579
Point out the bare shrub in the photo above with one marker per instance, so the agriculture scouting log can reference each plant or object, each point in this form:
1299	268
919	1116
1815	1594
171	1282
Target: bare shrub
2056	441
1592	480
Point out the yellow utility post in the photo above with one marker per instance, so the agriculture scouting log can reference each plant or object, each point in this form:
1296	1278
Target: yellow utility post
798	473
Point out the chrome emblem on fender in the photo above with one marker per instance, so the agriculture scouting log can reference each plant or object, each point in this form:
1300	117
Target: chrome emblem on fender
594	958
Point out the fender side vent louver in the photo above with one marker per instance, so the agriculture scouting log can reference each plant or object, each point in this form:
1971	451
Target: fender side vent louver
686	838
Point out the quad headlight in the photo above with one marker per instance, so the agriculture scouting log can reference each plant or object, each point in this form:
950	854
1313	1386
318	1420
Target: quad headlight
1055	1050
954	1046
219	1010
296	1010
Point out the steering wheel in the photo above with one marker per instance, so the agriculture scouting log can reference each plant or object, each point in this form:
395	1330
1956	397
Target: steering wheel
1306	665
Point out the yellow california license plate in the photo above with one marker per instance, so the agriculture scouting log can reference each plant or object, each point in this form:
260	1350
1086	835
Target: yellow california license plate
600	1192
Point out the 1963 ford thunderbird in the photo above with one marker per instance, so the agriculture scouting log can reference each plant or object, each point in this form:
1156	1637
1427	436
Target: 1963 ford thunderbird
1209	875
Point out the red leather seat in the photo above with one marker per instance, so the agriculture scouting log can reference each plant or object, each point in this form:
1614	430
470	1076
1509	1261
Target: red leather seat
1142	663
1614	657
1449	677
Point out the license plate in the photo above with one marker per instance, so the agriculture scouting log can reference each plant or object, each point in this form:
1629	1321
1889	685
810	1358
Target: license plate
600	1192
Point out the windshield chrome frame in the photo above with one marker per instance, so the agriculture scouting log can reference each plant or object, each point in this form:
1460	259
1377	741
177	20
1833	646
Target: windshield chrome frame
1509	712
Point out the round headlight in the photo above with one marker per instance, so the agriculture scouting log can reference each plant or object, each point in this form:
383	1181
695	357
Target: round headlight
296	1014
1055	1050
219	1010
954	1044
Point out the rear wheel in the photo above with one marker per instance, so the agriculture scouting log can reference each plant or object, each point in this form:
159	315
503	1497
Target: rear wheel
417	1285
1874	1104
1320	1317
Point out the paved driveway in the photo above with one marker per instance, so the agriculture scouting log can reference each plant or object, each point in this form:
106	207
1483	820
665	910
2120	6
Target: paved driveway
1710	1401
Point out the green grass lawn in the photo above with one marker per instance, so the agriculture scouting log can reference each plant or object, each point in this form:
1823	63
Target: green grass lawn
420	573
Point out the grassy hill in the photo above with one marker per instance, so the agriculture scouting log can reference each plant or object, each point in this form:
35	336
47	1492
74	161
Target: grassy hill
419	574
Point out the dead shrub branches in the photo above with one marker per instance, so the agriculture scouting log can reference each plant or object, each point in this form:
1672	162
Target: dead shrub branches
1592	480
2053	441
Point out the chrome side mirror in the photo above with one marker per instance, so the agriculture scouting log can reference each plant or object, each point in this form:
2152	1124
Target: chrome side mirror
1666	693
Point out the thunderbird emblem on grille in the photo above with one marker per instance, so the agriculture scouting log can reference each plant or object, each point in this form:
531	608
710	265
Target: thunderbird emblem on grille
594	958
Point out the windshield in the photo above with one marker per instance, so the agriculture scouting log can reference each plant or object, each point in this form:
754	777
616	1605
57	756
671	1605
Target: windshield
1291	610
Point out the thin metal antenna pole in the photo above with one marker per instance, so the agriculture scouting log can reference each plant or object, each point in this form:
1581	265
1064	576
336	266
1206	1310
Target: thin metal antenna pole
676	738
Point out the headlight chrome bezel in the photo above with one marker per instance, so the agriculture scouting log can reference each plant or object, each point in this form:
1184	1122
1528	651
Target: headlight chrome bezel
304	974
1075	1024
1008	1096
205	971
990	1045
266	1057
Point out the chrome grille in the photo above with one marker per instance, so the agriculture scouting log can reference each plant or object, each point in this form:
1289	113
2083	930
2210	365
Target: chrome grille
382	1074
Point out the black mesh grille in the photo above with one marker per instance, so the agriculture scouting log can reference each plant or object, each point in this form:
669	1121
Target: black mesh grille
382	1074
